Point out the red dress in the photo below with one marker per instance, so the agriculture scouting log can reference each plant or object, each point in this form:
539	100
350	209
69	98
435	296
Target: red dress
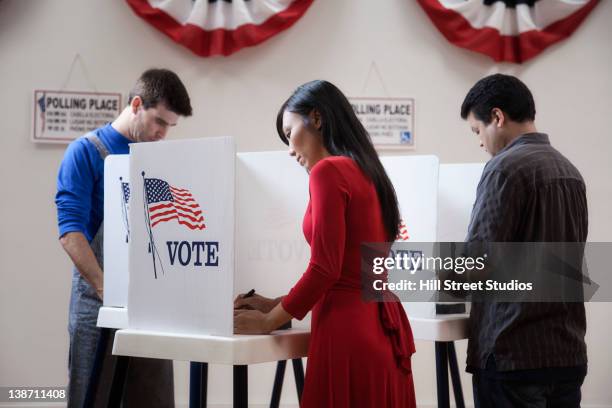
359	353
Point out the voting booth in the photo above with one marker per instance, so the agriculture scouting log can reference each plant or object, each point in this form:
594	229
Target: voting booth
415	179
181	252
116	229
456	196
190	224
271	251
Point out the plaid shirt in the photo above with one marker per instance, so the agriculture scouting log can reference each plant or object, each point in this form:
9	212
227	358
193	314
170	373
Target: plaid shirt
528	192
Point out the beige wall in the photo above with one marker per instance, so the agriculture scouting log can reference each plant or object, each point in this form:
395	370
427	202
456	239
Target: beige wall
336	40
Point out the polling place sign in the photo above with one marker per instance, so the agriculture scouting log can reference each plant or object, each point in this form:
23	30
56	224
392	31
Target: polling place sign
62	116
389	121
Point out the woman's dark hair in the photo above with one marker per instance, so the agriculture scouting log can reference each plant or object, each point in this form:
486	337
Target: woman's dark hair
504	92
344	135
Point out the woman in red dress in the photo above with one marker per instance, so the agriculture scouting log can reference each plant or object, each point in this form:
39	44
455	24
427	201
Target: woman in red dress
359	354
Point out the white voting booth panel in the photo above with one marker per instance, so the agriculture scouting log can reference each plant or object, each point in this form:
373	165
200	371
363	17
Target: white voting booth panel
172	288
116	229
181	250
271	199
415	179
456	196
272	195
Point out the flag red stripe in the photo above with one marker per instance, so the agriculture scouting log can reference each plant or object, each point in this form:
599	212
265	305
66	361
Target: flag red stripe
184	200
189	210
191	218
189	205
179	189
159	206
161	214
174	217
195	219
179	195
190	226
155	215
198	225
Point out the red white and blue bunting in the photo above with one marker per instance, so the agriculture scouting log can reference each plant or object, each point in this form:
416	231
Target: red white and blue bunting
220	27
507	30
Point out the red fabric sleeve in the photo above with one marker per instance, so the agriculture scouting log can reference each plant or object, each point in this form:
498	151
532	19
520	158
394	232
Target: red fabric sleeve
329	196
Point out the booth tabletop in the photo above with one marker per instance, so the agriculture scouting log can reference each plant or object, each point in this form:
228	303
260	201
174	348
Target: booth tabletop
234	350
254	349
440	328
113	317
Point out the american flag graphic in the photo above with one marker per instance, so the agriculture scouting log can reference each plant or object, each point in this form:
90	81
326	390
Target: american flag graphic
125	205
125	188
166	203
402	235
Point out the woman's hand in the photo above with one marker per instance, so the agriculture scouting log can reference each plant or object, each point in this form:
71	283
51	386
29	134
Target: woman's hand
257	322
250	322
255	302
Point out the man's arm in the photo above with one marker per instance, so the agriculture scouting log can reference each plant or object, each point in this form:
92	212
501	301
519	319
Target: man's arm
76	246
75	184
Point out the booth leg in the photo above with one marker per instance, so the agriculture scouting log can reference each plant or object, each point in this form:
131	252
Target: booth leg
442	374
198	384
241	387
278	383
454	372
298	373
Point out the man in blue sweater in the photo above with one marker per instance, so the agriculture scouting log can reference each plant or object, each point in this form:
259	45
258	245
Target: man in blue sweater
155	104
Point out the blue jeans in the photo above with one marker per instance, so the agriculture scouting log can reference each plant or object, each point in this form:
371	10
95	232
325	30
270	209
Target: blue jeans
538	388
149	382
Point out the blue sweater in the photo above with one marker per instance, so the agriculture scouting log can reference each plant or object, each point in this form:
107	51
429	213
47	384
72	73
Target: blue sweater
80	183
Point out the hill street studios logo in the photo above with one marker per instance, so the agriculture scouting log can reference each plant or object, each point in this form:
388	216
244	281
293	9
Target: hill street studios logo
164	203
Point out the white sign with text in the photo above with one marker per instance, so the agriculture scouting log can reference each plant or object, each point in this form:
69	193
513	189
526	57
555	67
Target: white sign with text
389	121
62	116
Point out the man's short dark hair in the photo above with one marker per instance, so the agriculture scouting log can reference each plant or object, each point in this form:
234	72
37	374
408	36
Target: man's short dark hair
162	85
500	91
